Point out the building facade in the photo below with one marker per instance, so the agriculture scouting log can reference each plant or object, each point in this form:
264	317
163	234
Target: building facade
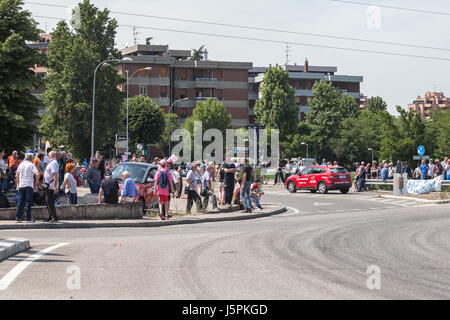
302	79
173	76
432	101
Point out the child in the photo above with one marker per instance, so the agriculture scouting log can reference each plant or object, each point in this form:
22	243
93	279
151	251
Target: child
256	193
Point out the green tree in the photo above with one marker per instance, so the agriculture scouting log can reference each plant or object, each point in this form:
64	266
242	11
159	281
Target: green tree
18	107
212	114
146	121
72	59
197	54
164	141
376	104
277	108
438	133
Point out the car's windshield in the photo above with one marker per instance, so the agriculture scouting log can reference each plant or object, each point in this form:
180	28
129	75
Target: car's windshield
338	170
137	172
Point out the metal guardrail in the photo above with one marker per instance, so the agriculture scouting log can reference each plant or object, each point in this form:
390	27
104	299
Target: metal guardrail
377	182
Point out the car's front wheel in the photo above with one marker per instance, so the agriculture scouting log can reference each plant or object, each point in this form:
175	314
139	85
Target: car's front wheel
322	187
292	187
345	190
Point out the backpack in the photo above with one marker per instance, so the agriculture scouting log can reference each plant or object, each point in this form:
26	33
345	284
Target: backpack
163	180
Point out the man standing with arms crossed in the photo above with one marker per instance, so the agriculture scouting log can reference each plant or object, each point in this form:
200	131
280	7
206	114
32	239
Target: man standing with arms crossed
230	171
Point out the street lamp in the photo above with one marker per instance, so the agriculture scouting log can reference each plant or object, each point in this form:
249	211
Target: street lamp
168	121
128	85
104	63
304	143
370	149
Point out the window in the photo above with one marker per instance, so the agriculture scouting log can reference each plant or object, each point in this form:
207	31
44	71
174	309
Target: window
338	170
164	92
306	171
183	74
143	90
163	72
316	170
219	75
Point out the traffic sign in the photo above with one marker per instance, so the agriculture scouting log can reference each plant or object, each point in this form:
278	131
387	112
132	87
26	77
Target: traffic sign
421	158
140	147
421	150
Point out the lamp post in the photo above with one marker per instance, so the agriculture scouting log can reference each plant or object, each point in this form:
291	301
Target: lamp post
304	143
93	98
128	85
370	149
168	121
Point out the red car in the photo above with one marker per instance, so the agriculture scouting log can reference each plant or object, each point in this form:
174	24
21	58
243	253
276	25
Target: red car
143	175
320	178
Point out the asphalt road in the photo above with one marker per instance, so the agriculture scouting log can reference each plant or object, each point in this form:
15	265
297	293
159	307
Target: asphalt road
320	249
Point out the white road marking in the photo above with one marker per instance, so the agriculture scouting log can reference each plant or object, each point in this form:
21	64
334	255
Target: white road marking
18	269
296	211
322	204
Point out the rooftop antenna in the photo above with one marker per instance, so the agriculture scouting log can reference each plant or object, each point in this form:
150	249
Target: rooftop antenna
135	33
287	53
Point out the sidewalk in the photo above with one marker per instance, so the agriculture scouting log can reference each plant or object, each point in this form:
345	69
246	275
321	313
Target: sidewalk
269	209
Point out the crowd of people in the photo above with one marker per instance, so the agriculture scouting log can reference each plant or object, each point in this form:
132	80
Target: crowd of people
49	178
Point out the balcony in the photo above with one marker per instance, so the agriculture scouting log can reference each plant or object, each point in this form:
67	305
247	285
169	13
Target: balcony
206	83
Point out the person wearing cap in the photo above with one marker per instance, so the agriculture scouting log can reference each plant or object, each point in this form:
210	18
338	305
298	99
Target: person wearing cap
192	191
256	193
109	189
437	169
94	177
163	188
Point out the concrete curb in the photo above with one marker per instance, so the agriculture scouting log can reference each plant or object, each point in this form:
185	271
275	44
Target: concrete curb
414	199
140	224
11	247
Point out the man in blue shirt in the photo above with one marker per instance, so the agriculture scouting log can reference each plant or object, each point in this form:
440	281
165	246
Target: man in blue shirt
424	170
384	174
129	191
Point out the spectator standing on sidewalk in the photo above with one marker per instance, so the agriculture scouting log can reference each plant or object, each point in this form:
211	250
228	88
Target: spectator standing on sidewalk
101	165
230	170
444	172
163	187
437	169
417	173
207	188
424	170
27	178
110	189
51	185
94	177
176	175
447	169
220	178
71	184
3	172
384	174
361	176
247	172
192	191
13	161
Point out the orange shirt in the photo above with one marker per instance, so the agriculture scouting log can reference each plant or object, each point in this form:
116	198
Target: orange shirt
12	162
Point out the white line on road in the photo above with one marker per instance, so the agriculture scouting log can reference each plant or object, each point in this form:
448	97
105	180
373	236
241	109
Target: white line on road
18	269
296	211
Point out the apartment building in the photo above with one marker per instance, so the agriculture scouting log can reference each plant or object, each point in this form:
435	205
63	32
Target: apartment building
41	72
173	76
302	78
432	101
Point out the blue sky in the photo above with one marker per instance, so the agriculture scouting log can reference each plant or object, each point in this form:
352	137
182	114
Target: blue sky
397	79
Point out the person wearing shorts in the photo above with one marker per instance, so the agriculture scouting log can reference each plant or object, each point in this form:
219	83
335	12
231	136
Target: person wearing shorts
163	191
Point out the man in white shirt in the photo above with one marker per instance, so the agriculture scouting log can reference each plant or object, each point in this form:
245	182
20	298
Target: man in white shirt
51	176
27	177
